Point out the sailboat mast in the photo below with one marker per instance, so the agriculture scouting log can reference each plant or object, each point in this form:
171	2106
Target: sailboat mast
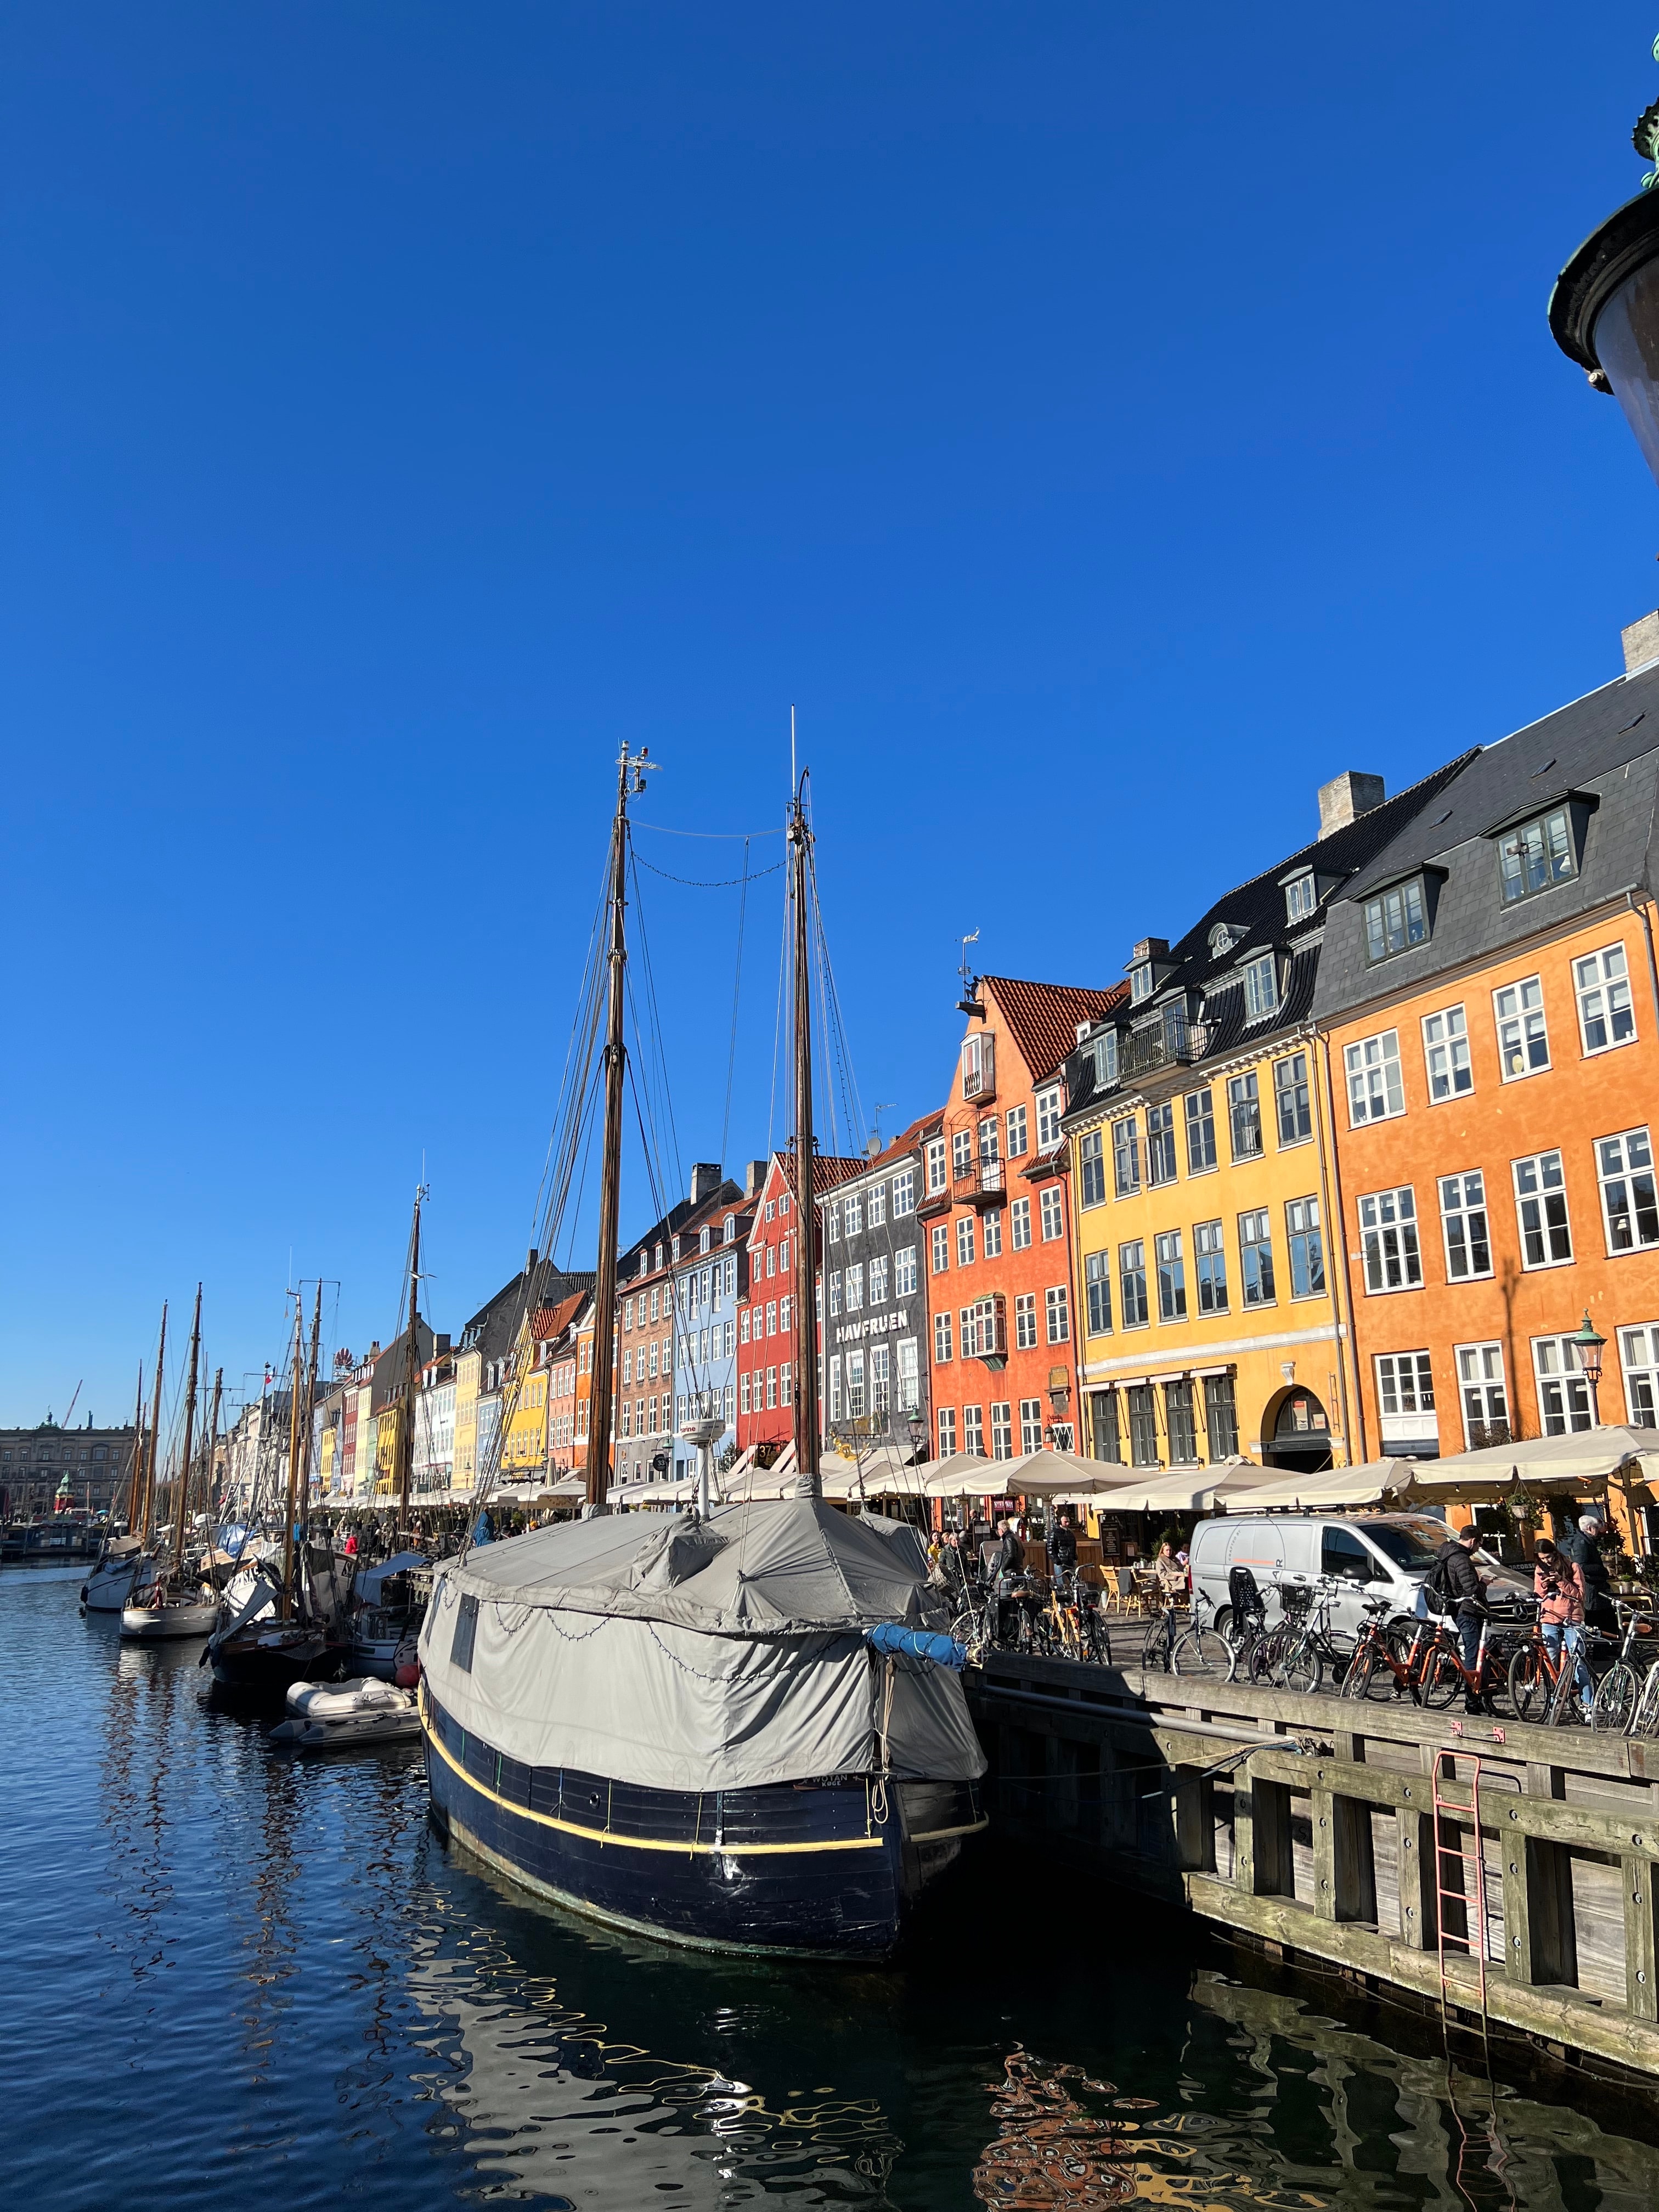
181	1491
808	1484
630	778
135	1465
311	1396
296	1383
212	1446
411	1366
154	1431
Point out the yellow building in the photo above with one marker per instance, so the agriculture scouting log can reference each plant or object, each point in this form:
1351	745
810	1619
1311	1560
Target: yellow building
1212	1319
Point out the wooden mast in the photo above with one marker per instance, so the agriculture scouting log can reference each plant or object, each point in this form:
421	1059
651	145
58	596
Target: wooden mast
136	1464
808	1484
630	779
155	1432
207	1476
182	1491
411	1365
311	1396
293	1494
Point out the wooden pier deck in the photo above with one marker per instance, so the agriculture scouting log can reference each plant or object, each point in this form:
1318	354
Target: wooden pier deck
1307	1824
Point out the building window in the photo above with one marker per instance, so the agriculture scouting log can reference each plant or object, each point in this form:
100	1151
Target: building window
1261	987
835	1389
909	1376
1244	1117
941	1247
1048	1106
1054	1216
962	1153
1097	1286
1161	1144
1374	1091
1404	1382
1536	856
1017	1138
941	1340
1125	1156
1395	919
1002	1430
1025	1330
1301	897
771	1387
1624	1166
1107	1439
1480	1385
743	1392
1541	1206
1143	1424
854	1386
1212	1257
1638	1352
835	1298
1221	1415
1606	1017
965	1241
1255	1257
1387	1234
991	1232
1463	1223
772	1317
937	1176
1019	1218
947	1432
1141	982
904	1193
786	1383
1171	1277
1446	1055
1295	1104
854	1289
1103	1055
1178	1420
1132	1284
1523	1042
1307	1248
878	1279
1201	1131
854	1211
1091	1168
1563	1394
1031	1425
784	1306
904	1271
973	1430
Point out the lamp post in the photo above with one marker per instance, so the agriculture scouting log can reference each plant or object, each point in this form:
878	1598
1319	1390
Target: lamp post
1590	1348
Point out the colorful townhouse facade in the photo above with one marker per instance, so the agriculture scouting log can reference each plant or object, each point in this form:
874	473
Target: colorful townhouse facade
994	1223
769	1334
1490	1001
711	1278
1210	1323
873	1298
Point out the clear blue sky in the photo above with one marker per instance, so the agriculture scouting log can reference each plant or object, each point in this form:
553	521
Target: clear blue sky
1105	422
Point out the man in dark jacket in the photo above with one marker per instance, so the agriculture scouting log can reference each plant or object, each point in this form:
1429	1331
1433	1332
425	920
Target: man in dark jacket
1465	1595
1582	1545
1062	1550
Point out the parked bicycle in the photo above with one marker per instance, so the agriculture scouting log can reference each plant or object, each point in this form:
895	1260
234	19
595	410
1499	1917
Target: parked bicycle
1196	1649
1446	1674
1294	1655
1389	1656
1619	1693
1069	1625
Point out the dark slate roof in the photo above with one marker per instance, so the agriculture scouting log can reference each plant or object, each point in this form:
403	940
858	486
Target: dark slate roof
729	1198
905	1146
492	1330
1208	985
388	1381
1605	745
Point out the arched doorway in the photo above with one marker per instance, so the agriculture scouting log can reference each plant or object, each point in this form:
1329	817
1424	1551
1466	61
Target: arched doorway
1301	1438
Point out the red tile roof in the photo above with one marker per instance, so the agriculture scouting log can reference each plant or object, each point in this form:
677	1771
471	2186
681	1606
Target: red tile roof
1042	1017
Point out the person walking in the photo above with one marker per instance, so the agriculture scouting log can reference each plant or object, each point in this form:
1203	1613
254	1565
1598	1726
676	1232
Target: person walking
1582	1545
1465	1596
1062	1552
1559	1585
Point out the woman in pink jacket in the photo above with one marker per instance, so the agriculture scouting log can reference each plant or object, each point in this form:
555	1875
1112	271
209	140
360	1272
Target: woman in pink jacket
1558	1585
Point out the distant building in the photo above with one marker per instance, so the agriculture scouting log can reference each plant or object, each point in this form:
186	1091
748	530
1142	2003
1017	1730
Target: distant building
710	1276
767	1349
36	1464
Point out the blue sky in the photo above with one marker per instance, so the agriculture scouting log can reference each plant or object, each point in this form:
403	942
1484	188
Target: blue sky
1104	423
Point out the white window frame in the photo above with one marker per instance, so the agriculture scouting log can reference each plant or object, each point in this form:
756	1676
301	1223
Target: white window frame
1019	1224
1459	1209
1025	1322
1542	1194
1057	1306
1564	1399
1453	1038
1301	896
1053	1214
1015	1132
904	1271
1625	1163
942	1343
964	1240
1261	987
1639	1366
1388	1240
1372	1064
1513	1010
1050	1104
939	1247
1472	1387
1031	1425
938	1170
946	1423
904	1194
1600	988
1404	1382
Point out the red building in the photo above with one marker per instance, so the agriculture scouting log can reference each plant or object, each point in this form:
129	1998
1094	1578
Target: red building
996	1225
767	1321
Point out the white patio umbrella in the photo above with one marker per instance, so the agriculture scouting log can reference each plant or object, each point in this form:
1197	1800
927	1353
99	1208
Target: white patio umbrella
1376	1482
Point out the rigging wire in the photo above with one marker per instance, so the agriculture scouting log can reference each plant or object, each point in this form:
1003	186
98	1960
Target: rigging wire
721	883
737	994
730	836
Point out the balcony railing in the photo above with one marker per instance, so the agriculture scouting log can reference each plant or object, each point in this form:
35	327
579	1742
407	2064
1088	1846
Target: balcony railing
1177	1044
979	1068
980	1183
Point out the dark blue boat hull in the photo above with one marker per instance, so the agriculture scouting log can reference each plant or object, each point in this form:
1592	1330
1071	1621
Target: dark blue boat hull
823	1870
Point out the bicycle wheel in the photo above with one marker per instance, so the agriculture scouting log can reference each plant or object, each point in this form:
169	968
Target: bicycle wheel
1645	1718
1201	1651
1531	1686
1443	1682
1303	1669
1264	1662
1615	1699
1155	1651
1365	1663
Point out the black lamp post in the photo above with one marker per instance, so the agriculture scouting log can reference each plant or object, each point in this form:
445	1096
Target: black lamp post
1604	310
1590	1348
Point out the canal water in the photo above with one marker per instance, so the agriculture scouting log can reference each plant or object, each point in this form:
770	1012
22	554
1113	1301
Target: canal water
232	1979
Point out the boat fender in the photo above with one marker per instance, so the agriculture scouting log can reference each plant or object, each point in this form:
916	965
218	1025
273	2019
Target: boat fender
889	1636
407	1678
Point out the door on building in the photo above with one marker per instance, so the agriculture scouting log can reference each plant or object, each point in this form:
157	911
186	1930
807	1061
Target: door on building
1301	1438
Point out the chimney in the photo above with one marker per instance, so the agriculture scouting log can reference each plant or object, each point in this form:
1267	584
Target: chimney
753	1179
704	1180
1346	797
531	1258
1641	643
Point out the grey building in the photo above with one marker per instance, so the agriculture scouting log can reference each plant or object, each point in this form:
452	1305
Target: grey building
87	1466
873	1298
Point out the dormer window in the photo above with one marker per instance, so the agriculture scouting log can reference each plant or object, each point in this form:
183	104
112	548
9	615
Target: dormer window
1141	982
677	1248
1395	919
1104	1054
705	1238
1261	987
1537	855
1301	896
729	1235
1047	1119
1222	938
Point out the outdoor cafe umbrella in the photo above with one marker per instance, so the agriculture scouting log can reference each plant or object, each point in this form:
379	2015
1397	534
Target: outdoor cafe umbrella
1582	1463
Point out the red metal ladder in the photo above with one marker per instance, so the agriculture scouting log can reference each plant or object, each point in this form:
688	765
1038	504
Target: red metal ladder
1445	1807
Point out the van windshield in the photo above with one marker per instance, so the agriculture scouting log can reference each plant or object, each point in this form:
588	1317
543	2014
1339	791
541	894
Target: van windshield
1407	1543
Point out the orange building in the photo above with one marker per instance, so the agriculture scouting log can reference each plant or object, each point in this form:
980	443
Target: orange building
995	1219
1489	1005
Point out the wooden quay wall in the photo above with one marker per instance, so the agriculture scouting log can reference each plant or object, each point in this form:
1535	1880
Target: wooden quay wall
1305	1824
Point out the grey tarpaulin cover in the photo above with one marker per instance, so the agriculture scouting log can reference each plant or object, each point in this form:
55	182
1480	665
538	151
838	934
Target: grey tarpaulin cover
686	1655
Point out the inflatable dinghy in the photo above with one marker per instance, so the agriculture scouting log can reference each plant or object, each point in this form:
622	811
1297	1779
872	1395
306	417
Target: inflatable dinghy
336	1716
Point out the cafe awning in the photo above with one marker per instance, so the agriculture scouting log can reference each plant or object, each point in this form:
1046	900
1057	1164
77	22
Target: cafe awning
1581	1464
1177	1489
1375	1482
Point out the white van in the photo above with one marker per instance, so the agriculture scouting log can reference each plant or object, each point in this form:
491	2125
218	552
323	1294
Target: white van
1370	1556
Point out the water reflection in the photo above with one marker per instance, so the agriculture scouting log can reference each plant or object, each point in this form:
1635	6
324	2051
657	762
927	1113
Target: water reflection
1049	2148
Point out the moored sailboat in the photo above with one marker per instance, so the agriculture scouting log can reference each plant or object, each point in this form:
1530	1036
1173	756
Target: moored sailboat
730	1730
125	1567
173	1608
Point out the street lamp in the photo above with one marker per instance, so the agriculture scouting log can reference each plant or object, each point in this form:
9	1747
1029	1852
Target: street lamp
1604	310
1590	1348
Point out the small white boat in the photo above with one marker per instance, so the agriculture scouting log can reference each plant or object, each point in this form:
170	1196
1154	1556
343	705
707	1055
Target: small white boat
337	1715
123	1573
174	1617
